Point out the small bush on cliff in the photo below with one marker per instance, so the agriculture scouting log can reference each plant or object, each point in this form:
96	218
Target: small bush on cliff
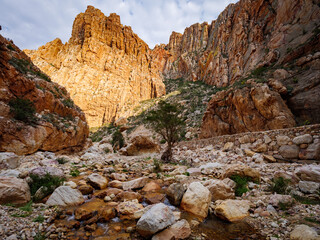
23	110
167	121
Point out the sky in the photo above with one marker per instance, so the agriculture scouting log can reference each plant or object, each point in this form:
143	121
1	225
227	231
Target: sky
33	23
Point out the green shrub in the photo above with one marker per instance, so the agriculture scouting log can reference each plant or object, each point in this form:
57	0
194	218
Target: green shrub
241	184
279	185
40	236
258	71
186	173
306	200
62	160
285	206
23	110
48	182
117	139
68	103
163	141
26	208
106	150
9	46
74	172
156	166
39	219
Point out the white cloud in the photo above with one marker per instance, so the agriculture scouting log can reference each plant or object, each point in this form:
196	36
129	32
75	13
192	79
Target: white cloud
33	23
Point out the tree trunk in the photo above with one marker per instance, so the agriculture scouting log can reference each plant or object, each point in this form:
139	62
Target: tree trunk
167	155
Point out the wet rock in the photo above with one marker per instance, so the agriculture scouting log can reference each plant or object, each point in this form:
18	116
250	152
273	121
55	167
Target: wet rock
14	190
308	173
97	181
179	230
135	184
9	160
306	138
232	210
154	220
154	197
242	170
303	232
65	196
85	189
289	151
175	193
309	187
127	195
196	199
93	208
128	208
219	189
151	187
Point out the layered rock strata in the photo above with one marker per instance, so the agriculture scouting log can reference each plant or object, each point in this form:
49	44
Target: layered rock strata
106	67
35	113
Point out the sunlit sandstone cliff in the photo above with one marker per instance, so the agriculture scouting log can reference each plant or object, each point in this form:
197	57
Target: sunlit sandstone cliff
105	66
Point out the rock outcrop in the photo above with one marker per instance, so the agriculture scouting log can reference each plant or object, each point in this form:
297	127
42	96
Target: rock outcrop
248	39
106	67
36	114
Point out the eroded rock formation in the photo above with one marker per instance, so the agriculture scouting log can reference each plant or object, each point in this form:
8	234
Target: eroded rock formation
105	66
50	122
248	36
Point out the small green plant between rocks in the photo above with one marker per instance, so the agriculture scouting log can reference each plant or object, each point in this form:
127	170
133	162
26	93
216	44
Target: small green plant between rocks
241	184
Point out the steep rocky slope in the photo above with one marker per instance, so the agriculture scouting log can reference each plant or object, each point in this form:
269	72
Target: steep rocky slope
35	113
273	42
106	67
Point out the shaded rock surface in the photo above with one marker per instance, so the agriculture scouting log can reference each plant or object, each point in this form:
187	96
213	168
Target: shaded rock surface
57	124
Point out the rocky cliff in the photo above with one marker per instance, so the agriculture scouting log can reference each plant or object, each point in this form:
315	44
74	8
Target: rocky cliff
35	113
106	67
258	37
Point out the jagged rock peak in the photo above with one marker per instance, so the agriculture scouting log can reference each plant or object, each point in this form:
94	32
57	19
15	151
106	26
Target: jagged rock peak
109	30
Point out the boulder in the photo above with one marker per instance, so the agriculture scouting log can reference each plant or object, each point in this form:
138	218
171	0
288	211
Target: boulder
282	140
242	170
115	184
289	151
175	193
128	208
97	181
155	219
312	152
309	187
276	199
303	232
220	189
179	230
85	189
65	196
196	199
119	176
140	142
306	138
135	184
232	210
9	160
151	187
14	190
308	173
42	171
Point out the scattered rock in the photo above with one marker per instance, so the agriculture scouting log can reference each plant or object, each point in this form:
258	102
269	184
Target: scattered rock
65	196
196	199
309	187
308	173
276	199
14	190
306	138
282	140
9	160
135	184
154	220
151	187
42	171
179	230
232	210
97	181
128	208
303	232
175	193
289	151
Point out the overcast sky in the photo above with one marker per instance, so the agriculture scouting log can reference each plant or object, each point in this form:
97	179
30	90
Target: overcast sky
32	23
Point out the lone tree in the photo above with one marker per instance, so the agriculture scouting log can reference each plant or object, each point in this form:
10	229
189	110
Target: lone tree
167	121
